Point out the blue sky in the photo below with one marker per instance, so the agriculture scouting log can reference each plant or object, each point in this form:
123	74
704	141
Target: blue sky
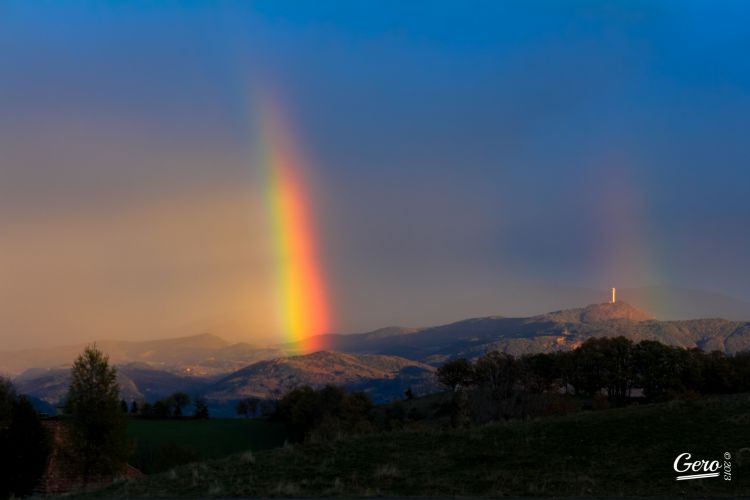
457	151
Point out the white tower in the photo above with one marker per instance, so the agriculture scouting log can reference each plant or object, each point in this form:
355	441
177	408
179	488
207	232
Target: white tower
614	295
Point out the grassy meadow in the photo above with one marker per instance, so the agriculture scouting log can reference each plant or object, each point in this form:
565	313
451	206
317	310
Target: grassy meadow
617	452
159	444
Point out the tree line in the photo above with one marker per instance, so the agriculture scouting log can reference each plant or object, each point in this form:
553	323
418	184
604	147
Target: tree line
325	413
614	367
173	406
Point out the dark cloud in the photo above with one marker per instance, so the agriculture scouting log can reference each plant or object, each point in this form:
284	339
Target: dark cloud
459	155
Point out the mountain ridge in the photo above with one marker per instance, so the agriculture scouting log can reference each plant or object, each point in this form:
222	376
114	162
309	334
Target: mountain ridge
209	356
369	372
383	362
564	329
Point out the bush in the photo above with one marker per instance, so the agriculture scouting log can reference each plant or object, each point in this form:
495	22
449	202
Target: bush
324	413
24	444
456	373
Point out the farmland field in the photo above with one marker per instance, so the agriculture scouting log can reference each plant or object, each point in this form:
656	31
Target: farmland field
160	444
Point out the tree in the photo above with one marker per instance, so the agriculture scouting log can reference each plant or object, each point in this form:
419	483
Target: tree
147	410
97	429
169	406
247	407
497	372
741	364
7	398
409	394
134	408
720	374
566	366
325	412
619	374
607	363
160	410
241	408
456	373
124	407
590	359
539	372
24	444
180	400
694	369
201	409
657	369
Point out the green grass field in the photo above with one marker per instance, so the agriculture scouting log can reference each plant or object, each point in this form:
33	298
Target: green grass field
617	452
158	442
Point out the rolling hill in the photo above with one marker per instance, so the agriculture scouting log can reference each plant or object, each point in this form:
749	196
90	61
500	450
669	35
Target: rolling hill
383	377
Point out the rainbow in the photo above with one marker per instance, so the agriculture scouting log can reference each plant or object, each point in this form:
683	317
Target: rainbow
303	310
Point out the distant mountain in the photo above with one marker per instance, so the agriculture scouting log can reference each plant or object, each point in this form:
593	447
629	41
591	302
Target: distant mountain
199	355
42	407
154	384
382	361
384	377
557	330
51	386
138	382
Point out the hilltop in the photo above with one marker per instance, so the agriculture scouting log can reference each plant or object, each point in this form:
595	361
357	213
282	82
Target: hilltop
596	313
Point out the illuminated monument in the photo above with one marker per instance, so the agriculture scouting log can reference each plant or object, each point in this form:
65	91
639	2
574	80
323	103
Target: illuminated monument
614	295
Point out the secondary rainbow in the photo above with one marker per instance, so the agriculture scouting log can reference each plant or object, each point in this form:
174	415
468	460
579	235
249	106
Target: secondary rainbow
302	299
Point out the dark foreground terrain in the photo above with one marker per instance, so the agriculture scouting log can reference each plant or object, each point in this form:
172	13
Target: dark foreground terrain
159	444
619	452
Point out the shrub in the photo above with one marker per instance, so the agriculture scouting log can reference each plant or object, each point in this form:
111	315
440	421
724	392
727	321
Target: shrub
324	413
24	444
